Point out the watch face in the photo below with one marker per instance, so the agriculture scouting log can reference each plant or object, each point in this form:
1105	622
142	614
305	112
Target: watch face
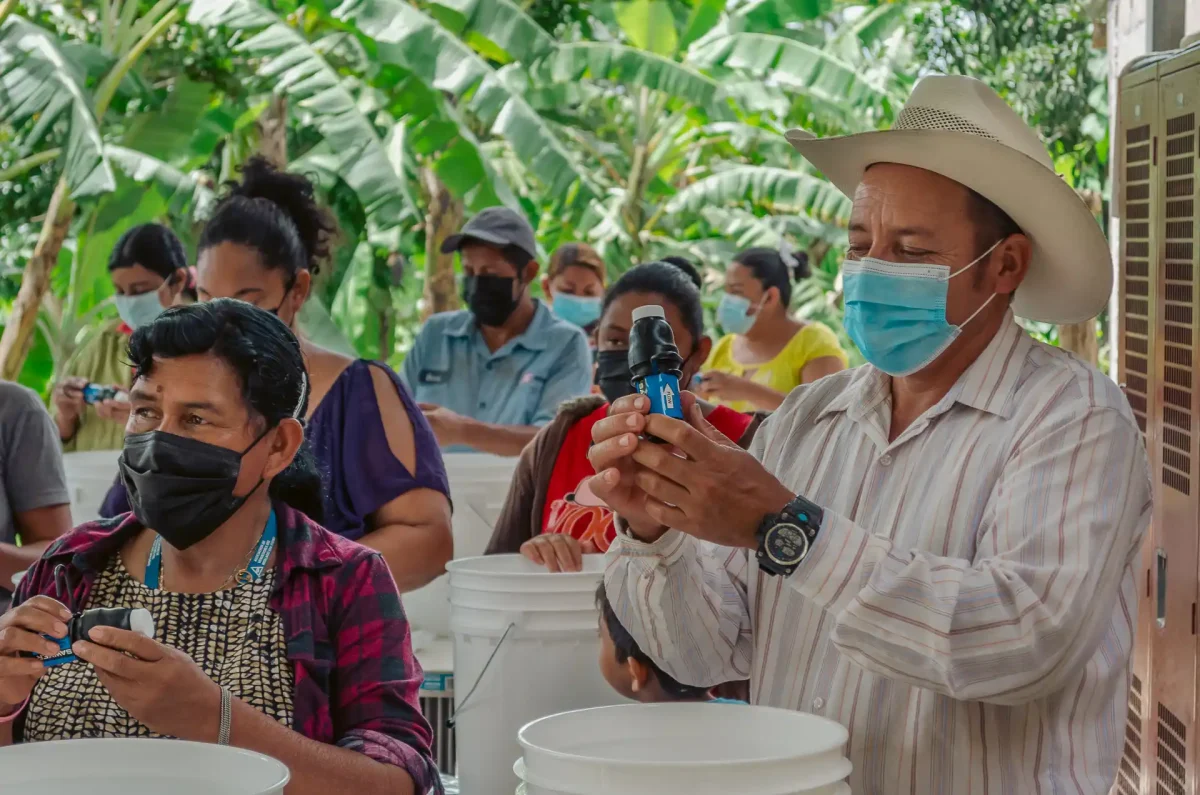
786	544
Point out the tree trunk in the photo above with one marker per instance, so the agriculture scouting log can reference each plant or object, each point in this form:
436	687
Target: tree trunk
443	218
272	131
35	281
1080	339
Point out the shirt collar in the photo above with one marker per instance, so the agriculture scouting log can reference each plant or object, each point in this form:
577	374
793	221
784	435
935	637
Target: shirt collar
987	385
533	338
91	547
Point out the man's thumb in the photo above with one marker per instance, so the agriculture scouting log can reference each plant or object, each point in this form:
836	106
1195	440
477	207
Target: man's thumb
701	423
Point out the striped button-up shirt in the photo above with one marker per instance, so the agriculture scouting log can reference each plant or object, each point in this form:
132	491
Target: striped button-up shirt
968	607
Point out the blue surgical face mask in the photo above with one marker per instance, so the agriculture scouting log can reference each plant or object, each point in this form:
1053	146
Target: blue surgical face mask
733	313
577	310
896	313
138	310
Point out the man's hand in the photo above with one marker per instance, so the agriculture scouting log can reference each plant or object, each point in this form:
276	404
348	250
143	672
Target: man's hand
447	426
22	630
710	488
159	686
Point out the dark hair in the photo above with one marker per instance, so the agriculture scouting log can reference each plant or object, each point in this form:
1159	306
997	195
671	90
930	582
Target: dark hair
770	269
627	647
153	246
576	255
670	282
688	267
264	353
276	214
991	223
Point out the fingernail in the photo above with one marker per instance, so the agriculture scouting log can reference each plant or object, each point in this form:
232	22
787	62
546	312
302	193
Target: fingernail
65	614
611	477
625	441
79	647
98	633
639	403
60	630
632	421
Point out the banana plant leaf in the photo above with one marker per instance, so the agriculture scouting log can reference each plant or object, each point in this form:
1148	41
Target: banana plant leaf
503	23
418	43
800	67
297	69
627	66
778	189
649	25
39	82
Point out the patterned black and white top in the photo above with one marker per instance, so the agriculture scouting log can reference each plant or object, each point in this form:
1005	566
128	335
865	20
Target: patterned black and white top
233	635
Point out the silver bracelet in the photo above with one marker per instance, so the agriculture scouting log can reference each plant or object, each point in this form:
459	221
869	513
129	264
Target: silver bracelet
226	717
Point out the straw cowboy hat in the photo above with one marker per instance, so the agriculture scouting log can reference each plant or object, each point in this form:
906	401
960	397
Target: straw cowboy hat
961	129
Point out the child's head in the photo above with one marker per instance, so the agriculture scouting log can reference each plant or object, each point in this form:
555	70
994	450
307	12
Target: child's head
629	670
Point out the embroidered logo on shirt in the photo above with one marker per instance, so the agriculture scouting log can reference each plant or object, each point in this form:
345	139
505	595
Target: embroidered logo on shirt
527	378
433	376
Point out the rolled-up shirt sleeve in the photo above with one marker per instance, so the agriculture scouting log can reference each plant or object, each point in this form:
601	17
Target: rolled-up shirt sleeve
1026	613
684	602
376	706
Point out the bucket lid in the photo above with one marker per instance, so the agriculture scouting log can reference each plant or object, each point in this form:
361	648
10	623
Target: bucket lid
518	568
693	734
138	767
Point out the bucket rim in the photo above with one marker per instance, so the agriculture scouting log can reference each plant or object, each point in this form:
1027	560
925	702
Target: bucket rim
841	731
148	744
465	566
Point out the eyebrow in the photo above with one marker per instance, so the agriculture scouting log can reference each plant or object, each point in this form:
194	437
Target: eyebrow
239	294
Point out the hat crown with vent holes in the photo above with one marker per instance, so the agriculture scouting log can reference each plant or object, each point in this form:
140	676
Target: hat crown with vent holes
960	128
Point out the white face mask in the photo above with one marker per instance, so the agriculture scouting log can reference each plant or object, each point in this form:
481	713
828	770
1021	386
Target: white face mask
139	310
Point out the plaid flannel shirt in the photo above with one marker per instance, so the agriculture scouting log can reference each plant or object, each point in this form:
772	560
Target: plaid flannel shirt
356	680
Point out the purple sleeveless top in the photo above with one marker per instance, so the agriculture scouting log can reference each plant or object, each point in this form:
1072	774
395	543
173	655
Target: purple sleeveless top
358	471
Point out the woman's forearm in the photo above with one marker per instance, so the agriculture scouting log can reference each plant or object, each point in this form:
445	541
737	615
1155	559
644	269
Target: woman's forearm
317	768
416	554
763	397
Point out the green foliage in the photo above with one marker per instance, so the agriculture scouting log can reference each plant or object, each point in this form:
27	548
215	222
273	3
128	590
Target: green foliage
646	127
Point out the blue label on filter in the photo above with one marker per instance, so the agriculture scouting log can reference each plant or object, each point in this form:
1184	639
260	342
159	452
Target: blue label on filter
663	391
64	656
438	682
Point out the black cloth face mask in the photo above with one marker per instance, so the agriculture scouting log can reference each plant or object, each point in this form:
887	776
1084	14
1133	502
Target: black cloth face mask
490	298
613	376
179	487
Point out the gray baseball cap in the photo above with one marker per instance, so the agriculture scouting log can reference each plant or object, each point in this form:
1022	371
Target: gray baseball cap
497	226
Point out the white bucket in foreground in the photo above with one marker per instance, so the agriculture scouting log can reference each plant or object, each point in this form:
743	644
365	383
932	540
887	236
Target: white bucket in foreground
693	748
138	767
547	663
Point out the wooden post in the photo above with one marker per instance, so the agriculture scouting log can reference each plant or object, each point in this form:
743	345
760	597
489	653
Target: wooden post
1080	339
442	219
35	281
272	132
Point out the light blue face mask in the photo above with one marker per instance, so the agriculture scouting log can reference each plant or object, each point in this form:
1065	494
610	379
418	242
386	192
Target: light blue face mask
138	310
733	313
577	310
896	313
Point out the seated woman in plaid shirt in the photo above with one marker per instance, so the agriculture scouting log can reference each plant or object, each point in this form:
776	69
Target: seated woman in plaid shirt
272	634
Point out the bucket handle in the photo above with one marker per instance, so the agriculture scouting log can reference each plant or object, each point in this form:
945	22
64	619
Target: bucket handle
462	708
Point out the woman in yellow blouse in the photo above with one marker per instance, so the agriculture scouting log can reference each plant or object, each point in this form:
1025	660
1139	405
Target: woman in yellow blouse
765	353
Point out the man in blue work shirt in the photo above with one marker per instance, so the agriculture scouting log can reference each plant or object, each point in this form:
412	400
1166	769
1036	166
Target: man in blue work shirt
488	376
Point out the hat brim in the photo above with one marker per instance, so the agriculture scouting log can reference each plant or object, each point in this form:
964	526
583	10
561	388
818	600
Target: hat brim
1070	277
456	242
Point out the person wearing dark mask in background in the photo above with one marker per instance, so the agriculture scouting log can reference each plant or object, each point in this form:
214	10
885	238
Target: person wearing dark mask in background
489	376
272	633
385	485
545	517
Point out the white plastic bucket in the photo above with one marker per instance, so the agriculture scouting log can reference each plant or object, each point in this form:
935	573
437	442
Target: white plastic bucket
693	748
89	477
478	485
138	767
548	661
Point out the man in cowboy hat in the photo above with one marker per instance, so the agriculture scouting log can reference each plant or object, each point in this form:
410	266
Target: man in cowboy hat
935	549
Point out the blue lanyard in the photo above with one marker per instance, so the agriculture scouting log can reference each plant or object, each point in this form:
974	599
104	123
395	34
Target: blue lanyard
252	573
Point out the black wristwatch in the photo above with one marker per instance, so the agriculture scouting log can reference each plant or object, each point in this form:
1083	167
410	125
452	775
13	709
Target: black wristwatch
785	538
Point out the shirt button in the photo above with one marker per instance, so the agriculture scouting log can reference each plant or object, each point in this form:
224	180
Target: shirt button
818	702
886	460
